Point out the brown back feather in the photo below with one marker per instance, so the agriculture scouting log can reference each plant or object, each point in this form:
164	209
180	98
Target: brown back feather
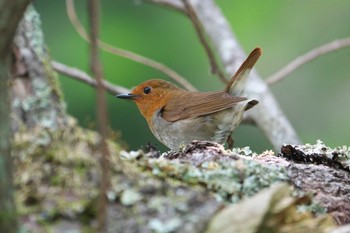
190	105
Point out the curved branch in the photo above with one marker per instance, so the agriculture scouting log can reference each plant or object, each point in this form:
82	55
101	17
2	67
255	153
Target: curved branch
215	69
173	4
85	78
124	53
301	60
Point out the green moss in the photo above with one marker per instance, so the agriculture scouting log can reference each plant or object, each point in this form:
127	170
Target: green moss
230	179
36	34
46	98
170	225
314	208
57	172
130	197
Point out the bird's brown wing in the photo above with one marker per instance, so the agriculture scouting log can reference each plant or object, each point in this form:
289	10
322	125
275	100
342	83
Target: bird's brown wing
190	105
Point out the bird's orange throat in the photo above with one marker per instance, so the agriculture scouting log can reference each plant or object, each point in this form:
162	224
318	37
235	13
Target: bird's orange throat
149	107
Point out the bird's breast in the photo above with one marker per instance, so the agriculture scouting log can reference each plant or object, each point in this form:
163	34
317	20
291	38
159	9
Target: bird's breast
212	127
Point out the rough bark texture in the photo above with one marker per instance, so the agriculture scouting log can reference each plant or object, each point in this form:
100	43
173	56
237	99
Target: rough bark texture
324	172
36	96
10	13
174	192
315	169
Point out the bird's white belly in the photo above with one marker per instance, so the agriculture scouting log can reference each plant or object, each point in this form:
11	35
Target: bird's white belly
212	127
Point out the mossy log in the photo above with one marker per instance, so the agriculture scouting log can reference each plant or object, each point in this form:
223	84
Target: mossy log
57	176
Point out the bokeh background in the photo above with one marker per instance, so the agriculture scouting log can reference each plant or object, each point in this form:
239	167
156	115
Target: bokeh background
315	97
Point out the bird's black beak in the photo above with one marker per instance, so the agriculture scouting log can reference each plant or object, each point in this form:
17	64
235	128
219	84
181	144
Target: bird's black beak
128	96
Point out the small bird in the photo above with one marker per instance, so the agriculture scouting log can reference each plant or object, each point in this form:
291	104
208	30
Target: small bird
176	117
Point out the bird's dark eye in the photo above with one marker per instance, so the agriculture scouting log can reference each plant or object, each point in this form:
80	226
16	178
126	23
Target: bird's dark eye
147	90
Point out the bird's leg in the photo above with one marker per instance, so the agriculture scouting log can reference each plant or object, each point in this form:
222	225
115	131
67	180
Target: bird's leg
230	141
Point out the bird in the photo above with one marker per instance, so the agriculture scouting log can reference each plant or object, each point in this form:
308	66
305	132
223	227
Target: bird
177	117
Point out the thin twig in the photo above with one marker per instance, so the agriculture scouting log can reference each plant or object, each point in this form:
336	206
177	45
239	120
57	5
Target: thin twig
85	78
96	68
301	60
124	53
215	69
173	4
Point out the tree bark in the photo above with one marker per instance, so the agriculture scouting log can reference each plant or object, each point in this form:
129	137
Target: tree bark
10	14
36	96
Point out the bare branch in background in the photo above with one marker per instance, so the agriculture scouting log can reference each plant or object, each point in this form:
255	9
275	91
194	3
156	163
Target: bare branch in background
101	107
215	68
85	78
124	53
268	115
299	61
173	4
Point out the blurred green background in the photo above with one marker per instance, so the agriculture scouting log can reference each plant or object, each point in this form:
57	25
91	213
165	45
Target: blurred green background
315	97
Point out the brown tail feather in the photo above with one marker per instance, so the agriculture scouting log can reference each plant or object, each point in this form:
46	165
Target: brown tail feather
247	64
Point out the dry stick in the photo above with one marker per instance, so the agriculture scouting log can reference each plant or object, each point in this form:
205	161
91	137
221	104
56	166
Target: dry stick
215	69
93	8
313	54
85	78
124	53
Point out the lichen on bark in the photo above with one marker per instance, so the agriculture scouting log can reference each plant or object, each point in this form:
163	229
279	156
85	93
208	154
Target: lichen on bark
36	97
